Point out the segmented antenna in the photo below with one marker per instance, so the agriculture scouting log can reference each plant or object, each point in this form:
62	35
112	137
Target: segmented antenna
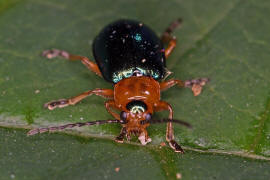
155	121
59	128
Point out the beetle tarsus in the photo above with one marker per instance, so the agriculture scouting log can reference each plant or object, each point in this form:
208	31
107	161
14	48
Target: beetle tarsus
144	139
200	81
120	138
177	148
54	104
196	85
52	53
166	36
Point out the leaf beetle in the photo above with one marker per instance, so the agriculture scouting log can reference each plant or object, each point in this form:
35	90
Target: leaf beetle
132	57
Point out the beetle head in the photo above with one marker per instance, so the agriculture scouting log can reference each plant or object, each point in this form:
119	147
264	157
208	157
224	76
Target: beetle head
136	113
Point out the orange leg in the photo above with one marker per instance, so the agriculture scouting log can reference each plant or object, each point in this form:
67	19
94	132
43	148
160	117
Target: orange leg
161	106
168	38
195	84
170	48
109	105
89	64
106	93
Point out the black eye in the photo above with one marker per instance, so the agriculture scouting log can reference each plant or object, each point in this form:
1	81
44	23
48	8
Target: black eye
148	117
123	115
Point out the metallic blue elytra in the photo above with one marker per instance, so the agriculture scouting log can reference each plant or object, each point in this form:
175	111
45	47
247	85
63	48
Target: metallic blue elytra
129	48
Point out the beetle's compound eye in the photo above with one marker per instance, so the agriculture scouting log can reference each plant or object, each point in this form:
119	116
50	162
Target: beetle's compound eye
123	116
148	117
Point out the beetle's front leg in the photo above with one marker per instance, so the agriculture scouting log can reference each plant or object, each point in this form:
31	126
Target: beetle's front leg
106	93
109	105
120	138
144	138
161	106
196	85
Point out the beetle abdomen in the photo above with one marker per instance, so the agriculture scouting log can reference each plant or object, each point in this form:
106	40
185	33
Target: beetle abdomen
128	48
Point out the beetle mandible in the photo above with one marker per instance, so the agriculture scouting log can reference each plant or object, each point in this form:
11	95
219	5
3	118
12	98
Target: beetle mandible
132	57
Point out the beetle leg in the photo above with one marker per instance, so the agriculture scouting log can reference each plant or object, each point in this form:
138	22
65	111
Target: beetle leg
161	106
144	138
109	105
170	48
106	93
120	138
195	84
56	52
168	38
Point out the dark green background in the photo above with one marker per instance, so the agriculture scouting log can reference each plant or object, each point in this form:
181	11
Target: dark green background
227	41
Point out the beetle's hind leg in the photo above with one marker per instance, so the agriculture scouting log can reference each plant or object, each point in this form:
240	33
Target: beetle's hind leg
167	37
106	93
60	53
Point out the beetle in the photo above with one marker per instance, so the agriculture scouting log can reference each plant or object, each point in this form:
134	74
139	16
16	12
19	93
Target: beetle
132	57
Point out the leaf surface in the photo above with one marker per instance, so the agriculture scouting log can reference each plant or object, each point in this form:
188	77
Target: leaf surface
227	41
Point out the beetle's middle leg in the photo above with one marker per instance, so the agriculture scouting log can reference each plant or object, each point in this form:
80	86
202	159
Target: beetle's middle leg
195	84
60	53
167	37
106	93
161	106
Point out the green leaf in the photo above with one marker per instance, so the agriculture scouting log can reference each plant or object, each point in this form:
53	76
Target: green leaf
227	41
72	157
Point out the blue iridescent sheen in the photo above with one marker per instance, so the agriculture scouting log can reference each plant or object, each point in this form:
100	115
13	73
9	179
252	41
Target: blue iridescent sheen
128	48
138	37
